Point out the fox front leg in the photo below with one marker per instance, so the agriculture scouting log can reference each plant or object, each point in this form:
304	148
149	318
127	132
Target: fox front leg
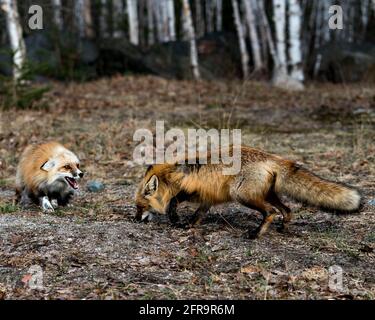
46	205
54	203
172	211
198	215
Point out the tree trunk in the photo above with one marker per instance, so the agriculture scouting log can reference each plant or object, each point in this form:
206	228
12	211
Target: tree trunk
57	14
295	50
133	21
279	18
118	17
17	43
267	29
83	18
241	40
150	22
171	20
189	29
219	15
199	19
209	16
254	39
104	32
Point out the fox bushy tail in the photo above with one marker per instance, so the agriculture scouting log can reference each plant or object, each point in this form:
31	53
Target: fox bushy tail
303	185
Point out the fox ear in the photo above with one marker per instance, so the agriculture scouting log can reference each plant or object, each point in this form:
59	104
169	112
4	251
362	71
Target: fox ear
47	166
152	185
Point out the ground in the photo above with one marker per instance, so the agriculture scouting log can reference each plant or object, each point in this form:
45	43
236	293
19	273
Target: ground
94	250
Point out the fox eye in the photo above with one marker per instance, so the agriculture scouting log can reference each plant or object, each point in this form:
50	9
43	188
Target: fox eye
67	167
78	165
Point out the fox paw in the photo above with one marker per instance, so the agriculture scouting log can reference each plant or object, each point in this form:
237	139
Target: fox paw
47	206
54	204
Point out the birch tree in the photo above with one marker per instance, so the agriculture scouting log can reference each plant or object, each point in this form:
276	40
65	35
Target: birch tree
83	18
281	71
241	39
254	38
14	29
57	14
132	9
171	20
189	29
219	15
295	50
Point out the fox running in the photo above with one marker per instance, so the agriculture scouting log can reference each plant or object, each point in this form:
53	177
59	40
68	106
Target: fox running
47	174
263	178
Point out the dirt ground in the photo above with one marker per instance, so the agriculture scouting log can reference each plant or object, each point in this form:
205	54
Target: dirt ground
94	250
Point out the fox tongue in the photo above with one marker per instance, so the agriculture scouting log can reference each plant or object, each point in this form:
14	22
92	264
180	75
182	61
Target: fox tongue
72	182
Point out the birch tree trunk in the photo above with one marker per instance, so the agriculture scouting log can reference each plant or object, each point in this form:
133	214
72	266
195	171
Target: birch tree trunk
78	17
281	71
14	29
241	40
57	14
158	21
219	15
254	39
132	9
295	49
171	20
189	29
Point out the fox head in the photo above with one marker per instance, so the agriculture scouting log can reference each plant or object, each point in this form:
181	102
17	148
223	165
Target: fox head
154	194
63	170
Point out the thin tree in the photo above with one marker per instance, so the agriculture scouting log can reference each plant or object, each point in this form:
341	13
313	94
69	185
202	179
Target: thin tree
189	29
150	22
132	8
295	50
17	42
57	14
280	71
219	15
171	20
254	38
241	39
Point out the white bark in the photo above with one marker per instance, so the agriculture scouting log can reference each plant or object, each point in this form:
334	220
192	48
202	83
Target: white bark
189	28
132	9
158	21
295	49
219	15
254	38
79	17
241	39
279	18
57	14
171	20
14	29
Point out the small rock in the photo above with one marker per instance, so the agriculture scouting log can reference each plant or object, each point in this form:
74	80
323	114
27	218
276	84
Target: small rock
372	202
95	186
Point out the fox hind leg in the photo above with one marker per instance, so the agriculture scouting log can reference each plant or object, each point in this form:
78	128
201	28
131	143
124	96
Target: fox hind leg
274	200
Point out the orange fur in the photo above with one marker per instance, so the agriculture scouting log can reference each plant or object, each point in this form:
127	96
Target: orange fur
262	179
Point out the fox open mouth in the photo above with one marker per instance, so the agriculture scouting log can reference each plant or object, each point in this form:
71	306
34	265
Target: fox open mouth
72	182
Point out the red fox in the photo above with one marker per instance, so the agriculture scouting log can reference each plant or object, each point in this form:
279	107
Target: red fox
263	177
47	174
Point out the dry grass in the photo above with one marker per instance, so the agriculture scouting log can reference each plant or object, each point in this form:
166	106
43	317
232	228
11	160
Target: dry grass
95	250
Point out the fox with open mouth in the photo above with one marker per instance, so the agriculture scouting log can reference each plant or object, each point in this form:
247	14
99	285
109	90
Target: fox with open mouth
48	175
